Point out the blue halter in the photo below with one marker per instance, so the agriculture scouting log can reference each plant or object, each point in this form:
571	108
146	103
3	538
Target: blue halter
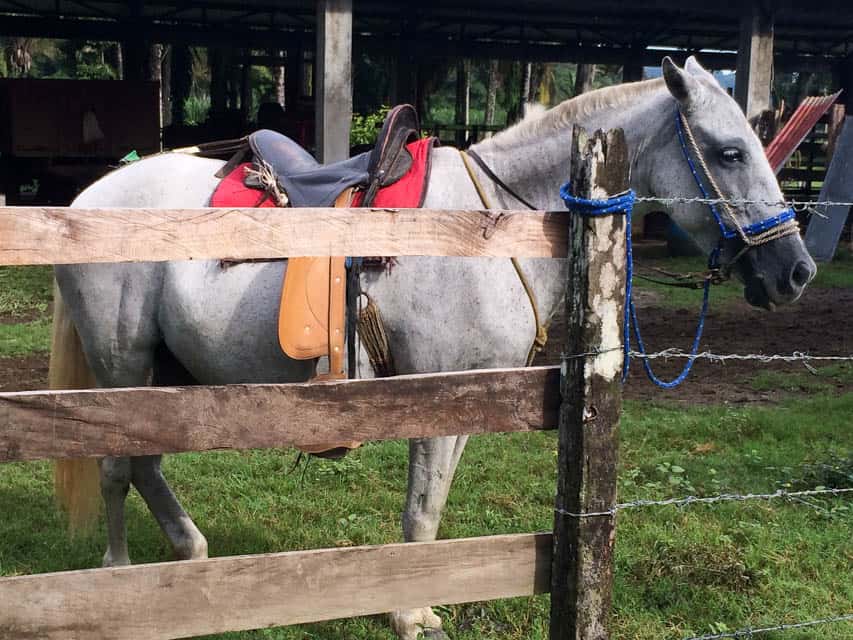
624	203
727	232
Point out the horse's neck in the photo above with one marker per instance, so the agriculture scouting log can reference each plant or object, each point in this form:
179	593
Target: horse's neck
535	161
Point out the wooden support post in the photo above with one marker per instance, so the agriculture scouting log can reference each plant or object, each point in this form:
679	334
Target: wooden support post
333	80
293	64
584	77
182	80
463	100
218	82
246	88
582	573
632	70
406	69
754	78
136	52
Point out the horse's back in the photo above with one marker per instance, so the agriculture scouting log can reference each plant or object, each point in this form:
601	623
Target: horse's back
219	323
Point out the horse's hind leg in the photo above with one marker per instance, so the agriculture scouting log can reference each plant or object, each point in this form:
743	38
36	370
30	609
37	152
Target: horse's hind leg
432	463
186	539
115	482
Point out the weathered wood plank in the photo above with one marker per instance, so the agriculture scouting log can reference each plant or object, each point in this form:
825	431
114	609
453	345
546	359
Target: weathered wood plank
58	235
180	599
142	421
582	572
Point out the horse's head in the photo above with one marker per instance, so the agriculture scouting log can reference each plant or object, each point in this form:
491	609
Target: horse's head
729	161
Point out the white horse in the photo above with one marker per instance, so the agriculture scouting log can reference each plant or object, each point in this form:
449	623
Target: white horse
180	322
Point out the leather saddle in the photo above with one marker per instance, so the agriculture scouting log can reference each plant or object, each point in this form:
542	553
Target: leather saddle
308	183
312	315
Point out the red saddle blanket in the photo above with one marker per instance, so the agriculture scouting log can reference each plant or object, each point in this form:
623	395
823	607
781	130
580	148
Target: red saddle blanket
408	192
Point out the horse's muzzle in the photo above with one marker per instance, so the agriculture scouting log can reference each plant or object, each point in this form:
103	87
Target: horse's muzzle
776	273
769	287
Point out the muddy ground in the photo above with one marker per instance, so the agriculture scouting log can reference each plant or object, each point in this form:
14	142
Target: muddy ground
819	323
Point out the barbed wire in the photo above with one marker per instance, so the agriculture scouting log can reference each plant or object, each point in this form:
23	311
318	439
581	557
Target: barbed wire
796	356
750	632
796	205
675	352
723	497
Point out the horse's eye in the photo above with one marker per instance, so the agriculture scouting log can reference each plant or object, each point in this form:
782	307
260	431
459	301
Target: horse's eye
730	154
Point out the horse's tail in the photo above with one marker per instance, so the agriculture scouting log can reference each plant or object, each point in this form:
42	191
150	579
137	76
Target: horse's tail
76	482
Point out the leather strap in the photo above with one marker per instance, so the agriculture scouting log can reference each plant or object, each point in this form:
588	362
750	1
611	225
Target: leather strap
494	178
337	304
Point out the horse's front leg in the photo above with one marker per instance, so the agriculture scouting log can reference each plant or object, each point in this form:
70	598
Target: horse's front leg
432	463
185	538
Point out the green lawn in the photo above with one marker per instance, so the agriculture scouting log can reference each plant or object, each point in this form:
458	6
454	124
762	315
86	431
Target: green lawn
25	295
678	571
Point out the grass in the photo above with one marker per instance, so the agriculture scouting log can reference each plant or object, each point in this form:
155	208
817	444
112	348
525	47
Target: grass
824	379
25	338
25	296
25	290
678	572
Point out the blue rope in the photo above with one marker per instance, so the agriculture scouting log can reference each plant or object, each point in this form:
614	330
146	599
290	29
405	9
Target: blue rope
726	231
624	204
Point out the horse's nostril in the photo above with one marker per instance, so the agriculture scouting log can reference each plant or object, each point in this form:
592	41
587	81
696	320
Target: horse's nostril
801	274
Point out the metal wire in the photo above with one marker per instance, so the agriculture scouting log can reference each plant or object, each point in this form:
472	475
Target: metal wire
723	497
736	201
674	352
797	205
796	356
749	632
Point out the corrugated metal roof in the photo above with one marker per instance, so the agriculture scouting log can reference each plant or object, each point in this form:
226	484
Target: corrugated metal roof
797	128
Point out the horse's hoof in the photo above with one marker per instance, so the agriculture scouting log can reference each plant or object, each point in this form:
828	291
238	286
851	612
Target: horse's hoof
434	634
117	561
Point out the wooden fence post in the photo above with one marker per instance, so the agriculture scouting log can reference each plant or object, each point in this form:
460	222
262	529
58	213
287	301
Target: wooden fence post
582	570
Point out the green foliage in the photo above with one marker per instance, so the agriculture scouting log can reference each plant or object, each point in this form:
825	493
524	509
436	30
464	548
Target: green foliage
196	108
365	128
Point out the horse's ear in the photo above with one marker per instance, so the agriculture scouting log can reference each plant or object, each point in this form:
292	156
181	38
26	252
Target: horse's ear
692	66
681	84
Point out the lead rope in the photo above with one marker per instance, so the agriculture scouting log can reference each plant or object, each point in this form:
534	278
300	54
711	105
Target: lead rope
541	338
624	204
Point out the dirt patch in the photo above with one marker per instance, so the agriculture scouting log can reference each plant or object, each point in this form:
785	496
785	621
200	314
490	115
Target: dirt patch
27	315
27	373
819	323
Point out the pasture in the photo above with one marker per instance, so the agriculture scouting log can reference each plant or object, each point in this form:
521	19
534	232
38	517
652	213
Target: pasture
679	572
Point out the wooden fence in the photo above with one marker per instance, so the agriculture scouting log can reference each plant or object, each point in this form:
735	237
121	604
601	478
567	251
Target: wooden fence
180	599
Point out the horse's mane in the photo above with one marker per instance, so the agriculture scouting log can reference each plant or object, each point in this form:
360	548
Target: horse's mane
537	123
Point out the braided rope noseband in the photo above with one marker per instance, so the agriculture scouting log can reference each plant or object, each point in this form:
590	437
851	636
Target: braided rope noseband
752	235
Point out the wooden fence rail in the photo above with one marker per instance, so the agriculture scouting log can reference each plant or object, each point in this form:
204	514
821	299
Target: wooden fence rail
181	599
173	600
143	421
61	235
